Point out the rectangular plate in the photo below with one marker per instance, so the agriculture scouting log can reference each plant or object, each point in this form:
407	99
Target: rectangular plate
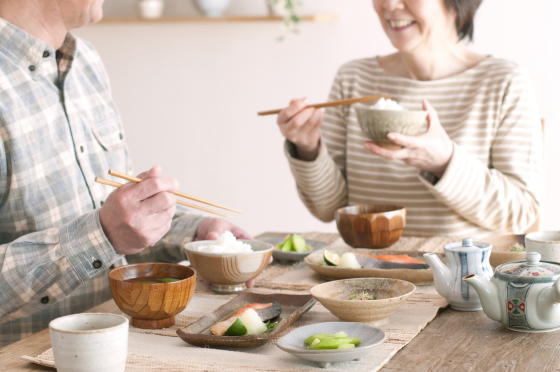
198	333
416	276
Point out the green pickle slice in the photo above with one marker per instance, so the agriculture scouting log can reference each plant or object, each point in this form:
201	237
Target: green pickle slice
320	336
236	329
346	346
330	343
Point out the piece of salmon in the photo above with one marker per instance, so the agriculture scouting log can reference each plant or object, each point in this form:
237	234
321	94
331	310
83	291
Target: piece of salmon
220	328
401	258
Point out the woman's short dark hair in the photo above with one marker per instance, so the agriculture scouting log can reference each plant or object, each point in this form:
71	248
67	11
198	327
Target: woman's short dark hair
464	21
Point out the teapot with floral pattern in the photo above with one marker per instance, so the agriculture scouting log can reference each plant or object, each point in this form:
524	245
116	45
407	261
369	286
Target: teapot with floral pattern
523	295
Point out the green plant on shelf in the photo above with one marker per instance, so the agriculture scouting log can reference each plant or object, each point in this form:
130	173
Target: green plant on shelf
290	11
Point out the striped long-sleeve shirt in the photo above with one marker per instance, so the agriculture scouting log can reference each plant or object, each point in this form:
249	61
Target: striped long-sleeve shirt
59	129
493	181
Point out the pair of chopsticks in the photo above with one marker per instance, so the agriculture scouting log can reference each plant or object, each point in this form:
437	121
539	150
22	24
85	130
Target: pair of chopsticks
341	102
125	176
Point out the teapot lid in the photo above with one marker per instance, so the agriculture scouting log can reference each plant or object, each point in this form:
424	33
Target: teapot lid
530	271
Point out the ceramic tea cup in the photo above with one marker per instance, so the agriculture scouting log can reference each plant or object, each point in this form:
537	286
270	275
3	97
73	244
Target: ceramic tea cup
89	342
547	243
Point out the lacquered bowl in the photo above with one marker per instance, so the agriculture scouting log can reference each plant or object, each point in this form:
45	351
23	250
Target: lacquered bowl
228	272
371	226
390	293
377	124
152	306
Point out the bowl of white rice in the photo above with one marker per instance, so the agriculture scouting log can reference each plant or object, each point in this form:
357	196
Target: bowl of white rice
227	262
387	116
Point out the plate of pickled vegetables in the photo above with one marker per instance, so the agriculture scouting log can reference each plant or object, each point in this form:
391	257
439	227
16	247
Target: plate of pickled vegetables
332	342
292	247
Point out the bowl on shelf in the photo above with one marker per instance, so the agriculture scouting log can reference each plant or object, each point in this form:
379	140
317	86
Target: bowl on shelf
371	226
228	272
377	124
151	304
390	295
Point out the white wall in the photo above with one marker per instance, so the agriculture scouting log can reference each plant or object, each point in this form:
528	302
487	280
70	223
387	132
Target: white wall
188	93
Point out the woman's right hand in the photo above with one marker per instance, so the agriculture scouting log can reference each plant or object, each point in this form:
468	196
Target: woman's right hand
300	126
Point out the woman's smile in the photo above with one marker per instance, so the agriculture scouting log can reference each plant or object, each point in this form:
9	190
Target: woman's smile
399	25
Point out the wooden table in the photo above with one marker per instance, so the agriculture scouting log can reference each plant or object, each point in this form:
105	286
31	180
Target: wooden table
453	341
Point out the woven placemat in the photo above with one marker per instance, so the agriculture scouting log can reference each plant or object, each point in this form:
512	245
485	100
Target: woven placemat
151	350
162	350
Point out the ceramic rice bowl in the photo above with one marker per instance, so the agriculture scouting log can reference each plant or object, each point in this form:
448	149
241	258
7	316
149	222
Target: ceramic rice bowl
377	124
228	272
390	293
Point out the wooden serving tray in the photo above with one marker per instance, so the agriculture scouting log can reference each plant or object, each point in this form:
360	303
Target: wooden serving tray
416	276
198	333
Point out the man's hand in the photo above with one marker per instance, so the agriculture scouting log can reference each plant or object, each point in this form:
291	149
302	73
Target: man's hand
211	228
430	151
137	215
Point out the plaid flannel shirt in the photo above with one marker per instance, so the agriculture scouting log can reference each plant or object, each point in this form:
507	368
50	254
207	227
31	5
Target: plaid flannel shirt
60	129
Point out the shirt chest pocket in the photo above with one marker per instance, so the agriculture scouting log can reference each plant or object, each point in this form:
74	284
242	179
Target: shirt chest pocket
109	134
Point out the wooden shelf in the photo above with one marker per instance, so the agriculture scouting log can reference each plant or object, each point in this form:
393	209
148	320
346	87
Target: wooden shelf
307	18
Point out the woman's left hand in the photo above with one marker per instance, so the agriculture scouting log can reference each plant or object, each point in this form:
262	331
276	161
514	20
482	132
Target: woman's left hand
212	228
430	151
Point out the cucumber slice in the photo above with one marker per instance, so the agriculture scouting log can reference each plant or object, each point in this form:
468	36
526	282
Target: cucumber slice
353	340
320	336
288	245
315	342
308	248
299	243
236	329
331	258
346	346
329	343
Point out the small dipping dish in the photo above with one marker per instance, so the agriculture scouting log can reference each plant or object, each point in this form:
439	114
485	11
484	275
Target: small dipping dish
152	306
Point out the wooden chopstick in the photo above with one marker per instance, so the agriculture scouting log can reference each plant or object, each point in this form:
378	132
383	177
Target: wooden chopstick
341	102
116	184
125	176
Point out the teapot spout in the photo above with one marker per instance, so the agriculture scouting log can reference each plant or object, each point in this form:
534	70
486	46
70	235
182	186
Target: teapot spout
443	279
488	294
548	305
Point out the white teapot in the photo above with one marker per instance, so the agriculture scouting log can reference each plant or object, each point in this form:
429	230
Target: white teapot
463	258
523	295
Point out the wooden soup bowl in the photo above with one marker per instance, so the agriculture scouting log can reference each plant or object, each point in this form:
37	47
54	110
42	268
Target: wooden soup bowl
152	306
371	226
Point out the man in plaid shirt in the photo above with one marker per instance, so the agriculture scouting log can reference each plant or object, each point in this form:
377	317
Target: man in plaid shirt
59	230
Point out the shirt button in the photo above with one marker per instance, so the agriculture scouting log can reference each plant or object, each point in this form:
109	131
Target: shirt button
32	68
120	136
46	54
97	264
82	148
101	203
45	300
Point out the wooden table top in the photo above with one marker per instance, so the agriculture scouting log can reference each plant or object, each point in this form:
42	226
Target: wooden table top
453	341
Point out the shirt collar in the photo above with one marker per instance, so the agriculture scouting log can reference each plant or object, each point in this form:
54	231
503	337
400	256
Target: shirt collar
27	50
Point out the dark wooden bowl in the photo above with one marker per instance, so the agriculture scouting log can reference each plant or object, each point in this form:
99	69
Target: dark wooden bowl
371	226
152	306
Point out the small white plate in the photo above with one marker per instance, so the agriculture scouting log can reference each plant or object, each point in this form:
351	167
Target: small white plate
283	257
293	342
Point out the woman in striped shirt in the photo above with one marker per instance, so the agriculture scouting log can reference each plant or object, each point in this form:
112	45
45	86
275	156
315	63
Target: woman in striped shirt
477	168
